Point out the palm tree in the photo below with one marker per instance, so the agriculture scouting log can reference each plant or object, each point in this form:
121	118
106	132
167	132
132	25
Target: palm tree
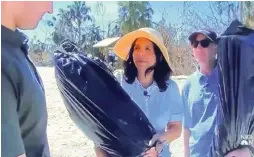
134	15
77	24
79	14
63	27
73	22
113	29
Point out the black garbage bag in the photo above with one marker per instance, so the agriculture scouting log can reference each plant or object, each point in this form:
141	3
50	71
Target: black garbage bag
98	105
235	125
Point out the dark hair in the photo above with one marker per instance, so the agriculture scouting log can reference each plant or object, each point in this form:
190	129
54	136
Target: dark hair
162	71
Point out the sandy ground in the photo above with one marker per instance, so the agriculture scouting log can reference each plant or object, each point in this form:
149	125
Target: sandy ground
65	139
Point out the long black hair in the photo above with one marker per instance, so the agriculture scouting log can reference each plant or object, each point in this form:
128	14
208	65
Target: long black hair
162	71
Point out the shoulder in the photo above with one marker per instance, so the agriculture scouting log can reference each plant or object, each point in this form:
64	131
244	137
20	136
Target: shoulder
12	66
172	90
172	95
191	79
118	73
9	66
10	77
172	85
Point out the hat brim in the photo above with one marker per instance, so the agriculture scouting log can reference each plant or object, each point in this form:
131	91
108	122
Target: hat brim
123	46
194	35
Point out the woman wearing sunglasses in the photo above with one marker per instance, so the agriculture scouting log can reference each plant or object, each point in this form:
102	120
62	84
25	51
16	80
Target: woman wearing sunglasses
200	95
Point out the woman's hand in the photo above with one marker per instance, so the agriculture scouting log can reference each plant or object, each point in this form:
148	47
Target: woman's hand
157	142
151	153
172	132
100	152
155	150
244	152
158	138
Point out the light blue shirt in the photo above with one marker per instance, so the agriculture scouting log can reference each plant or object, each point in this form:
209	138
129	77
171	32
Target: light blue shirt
159	107
200	100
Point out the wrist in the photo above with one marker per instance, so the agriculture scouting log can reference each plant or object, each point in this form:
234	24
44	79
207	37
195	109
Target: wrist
164	138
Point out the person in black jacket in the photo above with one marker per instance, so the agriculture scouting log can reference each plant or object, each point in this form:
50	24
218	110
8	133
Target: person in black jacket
23	104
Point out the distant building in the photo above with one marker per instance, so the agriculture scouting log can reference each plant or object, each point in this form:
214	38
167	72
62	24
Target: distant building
106	48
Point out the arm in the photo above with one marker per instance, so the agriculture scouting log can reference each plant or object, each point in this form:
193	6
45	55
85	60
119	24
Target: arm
240	153
186	123
100	152
186	137
12	143
173	131
175	110
174	127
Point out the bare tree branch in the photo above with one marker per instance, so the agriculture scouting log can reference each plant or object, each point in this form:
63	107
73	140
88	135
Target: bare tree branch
217	16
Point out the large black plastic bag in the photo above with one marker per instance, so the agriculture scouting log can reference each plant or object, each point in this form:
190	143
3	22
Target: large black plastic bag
99	106
235	127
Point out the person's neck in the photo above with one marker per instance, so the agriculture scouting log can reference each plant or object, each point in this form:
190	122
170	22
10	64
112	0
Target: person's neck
7	21
207	69
145	81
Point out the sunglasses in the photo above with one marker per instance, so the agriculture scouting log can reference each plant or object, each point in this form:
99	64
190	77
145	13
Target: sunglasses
204	43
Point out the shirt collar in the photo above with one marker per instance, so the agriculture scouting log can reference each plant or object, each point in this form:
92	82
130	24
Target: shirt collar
203	78
154	84
14	38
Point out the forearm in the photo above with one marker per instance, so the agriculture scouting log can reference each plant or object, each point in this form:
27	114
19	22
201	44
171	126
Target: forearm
172	132
186	138
100	152
186	150
240	153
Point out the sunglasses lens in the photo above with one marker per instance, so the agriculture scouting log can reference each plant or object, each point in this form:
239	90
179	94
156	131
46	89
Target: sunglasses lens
205	43
195	44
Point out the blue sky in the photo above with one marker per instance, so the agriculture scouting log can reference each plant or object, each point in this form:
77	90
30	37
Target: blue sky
174	9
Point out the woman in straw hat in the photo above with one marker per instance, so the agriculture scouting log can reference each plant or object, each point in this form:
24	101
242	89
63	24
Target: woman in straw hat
147	80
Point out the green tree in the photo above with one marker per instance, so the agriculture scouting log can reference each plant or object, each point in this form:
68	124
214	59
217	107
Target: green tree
75	23
113	29
134	15
101	12
249	14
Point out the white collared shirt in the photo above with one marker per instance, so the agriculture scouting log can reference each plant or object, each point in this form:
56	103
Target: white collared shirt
159	107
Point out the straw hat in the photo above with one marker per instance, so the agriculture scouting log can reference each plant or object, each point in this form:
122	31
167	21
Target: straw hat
123	45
